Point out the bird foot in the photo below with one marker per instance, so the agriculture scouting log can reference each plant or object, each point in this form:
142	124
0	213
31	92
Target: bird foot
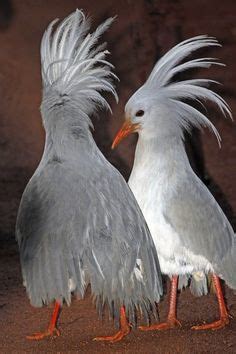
171	323
116	337
222	322
41	335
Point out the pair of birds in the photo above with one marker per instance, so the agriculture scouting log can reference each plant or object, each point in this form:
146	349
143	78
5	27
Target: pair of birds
79	222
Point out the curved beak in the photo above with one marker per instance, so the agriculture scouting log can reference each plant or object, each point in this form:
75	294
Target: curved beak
127	128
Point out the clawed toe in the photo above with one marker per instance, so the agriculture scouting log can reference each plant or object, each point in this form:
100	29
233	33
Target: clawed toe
116	337
214	325
162	326
42	335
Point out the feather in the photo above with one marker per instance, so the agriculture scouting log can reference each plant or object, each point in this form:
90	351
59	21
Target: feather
170	95
188	116
74	65
161	71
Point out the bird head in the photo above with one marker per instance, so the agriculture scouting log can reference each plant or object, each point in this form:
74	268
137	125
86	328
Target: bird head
159	108
145	114
75	71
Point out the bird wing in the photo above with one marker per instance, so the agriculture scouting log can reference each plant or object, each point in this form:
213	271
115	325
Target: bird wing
50	251
133	258
199	221
97	229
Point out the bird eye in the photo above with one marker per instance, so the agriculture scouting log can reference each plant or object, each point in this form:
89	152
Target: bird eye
140	113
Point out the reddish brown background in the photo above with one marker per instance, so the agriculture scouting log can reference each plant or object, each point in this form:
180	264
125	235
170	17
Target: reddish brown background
143	31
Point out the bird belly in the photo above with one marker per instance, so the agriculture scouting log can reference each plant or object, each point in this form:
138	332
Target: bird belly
167	244
174	258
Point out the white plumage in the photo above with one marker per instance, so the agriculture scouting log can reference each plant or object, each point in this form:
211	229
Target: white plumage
189	229
156	173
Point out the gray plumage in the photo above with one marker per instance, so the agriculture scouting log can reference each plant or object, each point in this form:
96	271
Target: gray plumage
78	221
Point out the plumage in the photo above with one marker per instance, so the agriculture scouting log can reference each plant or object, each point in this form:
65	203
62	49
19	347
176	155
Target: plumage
189	229
184	202
78	221
197	282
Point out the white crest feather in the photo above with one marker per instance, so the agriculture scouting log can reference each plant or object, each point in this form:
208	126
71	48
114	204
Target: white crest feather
172	93
74	65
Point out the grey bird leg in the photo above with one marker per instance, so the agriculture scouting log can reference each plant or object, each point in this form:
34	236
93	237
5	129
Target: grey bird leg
224	316
171	319
125	329
52	329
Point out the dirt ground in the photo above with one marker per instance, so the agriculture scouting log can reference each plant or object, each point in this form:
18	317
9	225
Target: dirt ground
79	323
141	33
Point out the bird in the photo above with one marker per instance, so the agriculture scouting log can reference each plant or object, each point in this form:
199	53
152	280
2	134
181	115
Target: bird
192	235
78	222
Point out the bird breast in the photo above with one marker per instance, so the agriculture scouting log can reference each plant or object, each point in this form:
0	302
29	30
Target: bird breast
150	189
152	186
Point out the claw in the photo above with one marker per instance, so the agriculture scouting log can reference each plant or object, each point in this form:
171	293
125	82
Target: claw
172	323
224	316
214	325
125	329
116	337
41	335
52	329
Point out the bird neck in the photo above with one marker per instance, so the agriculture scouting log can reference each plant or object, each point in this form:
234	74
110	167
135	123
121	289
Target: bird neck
164	156
67	138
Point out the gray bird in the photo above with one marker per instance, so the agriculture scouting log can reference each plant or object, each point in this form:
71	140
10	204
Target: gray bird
190	231
78	221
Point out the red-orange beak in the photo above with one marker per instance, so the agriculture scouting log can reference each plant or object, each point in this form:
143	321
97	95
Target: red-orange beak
127	128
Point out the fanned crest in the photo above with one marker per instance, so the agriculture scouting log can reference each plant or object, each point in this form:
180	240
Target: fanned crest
173	93
74	65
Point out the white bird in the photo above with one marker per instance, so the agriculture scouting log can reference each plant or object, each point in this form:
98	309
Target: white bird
190	231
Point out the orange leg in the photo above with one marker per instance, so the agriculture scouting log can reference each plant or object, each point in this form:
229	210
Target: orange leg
52	329
171	319
125	329
224	316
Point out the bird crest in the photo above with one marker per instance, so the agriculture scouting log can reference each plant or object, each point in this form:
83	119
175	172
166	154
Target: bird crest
171	96
74	65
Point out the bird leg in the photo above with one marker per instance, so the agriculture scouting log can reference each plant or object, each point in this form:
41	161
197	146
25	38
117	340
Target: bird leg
171	319
125	329
52	329
224	316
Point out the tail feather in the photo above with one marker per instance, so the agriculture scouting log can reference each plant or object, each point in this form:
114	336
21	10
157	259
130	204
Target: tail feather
226	268
197	283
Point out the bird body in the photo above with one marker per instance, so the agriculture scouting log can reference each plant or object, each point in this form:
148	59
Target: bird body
93	235
190	231
78	221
